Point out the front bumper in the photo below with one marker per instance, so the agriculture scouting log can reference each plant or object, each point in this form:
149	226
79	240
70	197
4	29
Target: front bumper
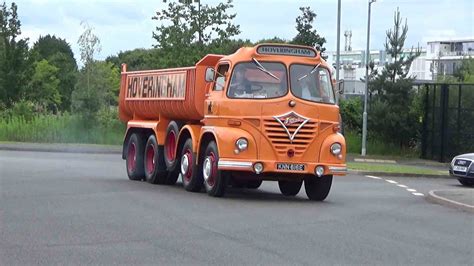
469	174
271	167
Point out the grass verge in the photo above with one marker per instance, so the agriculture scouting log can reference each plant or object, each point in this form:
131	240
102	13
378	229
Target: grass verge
64	128
393	168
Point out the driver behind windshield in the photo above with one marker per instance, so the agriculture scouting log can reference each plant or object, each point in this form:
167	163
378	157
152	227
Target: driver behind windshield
239	87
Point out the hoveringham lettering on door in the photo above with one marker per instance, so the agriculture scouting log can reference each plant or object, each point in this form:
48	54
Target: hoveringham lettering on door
157	86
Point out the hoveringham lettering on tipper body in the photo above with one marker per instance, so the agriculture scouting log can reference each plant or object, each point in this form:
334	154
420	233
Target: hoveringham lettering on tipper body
156	86
285	50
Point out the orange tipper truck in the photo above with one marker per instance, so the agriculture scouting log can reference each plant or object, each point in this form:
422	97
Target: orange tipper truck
263	113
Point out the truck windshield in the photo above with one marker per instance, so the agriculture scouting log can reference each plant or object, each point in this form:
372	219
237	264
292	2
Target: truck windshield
261	80
311	83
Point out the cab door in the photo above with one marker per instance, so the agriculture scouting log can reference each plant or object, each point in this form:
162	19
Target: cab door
216	91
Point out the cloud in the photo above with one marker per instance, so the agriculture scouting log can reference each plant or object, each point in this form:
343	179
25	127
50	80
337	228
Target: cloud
127	24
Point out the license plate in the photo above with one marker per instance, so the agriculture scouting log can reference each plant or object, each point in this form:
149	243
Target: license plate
459	168
290	166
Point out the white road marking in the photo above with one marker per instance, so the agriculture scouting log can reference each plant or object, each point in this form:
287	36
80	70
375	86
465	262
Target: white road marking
413	191
373	177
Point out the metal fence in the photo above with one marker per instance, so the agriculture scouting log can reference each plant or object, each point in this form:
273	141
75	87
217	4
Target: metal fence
448	120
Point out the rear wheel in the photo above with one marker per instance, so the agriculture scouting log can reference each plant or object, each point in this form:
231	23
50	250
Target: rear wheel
317	188
192	177
170	145
290	188
215	181
155	171
466	182
134	158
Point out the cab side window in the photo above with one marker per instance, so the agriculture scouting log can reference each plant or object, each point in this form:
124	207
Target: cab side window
220	79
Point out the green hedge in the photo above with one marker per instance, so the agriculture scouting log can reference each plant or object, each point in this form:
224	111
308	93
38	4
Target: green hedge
65	128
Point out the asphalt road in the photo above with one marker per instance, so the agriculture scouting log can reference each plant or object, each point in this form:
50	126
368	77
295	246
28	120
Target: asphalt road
58	208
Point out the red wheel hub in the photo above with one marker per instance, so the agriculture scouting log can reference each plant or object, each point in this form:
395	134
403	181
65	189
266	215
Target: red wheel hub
132	157
150	159
187	165
211	180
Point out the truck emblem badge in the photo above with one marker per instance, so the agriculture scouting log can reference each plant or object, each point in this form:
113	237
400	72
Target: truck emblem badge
290	119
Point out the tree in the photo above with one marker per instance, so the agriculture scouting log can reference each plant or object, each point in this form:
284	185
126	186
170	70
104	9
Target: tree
394	114
465	73
137	59
44	86
89	45
96	91
187	30
59	54
13	55
273	40
306	34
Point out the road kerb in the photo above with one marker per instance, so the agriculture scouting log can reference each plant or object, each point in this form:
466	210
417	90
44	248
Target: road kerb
62	148
448	202
397	174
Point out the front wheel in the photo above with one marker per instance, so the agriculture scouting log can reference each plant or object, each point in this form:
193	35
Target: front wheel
466	182
192	177
215	181
290	188
317	188
254	184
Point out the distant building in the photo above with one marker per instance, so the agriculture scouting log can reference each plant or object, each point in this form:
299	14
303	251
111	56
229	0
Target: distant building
444	56
352	67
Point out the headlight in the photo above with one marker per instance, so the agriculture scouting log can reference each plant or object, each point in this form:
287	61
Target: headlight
241	144
336	148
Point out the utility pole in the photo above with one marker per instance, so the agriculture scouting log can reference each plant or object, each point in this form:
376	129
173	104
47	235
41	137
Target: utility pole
338	49
199	21
367	60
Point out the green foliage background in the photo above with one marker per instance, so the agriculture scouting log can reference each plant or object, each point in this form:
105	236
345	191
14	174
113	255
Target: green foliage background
46	97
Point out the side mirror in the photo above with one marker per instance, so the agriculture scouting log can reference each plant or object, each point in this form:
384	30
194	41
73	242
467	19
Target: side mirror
340	86
210	74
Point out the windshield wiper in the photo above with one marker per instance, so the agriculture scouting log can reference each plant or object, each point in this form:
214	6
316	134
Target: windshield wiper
261	68
311	72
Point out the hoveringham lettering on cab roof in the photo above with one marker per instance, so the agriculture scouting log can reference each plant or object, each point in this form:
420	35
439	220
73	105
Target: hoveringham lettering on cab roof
283	50
156	86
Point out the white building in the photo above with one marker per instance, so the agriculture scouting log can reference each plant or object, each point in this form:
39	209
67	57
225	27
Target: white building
352	68
440	57
353	63
444	56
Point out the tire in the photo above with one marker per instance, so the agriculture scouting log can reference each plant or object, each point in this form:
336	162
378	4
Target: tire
317	188
254	184
155	170
290	188
190	172
134	157
465	182
235	183
215	181
171	141
251	184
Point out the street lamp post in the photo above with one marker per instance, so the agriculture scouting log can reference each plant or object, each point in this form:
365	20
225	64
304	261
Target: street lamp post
338	49
367	59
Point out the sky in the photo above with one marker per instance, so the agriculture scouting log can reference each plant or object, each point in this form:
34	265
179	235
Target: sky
125	24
